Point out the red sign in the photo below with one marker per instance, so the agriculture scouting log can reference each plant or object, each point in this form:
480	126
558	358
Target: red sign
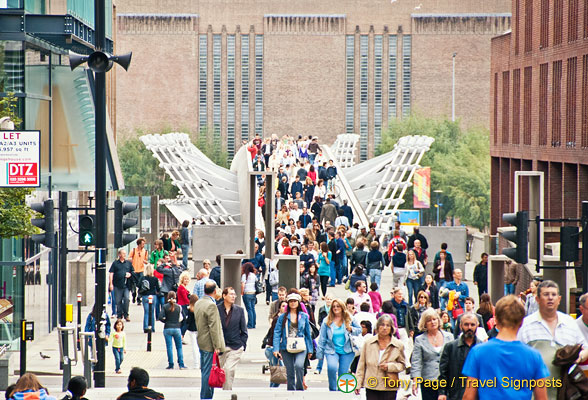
23	173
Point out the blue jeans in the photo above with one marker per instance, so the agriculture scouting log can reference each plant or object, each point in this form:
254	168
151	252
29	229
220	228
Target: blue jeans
375	276
269	353
509	288
345	266
413	286
442	300
319	366
121	296
337	364
158	302
206	392
112	302
339	270
294	363
185	250
145	302
118	357
175	335
249	300
333	273
311	157
274	296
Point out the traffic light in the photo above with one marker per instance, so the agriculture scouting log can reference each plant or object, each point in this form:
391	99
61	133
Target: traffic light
87	225
121	223
48	237
569	238
520	236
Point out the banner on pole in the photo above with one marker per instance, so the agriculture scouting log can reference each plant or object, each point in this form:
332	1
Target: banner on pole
422	188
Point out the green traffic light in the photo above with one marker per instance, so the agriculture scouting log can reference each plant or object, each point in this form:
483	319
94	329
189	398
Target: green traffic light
88	238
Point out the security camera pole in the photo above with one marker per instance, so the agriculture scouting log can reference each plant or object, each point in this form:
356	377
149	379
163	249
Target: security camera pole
101	234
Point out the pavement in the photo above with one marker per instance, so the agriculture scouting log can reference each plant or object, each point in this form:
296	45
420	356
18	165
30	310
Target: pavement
250	382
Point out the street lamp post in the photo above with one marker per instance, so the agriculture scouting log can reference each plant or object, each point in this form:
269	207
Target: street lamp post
453	89
438	205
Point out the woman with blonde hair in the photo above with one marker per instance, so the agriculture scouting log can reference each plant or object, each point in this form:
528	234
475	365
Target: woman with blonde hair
416	311
381	357
283	215
427	352
335	341
183	298
149	286
174	243
29	387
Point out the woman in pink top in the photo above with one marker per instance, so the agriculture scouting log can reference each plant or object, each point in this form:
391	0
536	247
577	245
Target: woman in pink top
375	297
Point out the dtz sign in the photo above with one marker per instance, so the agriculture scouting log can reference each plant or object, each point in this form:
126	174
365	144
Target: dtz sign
23	174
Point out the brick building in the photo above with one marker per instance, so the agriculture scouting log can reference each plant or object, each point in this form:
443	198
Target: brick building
539	106
304	67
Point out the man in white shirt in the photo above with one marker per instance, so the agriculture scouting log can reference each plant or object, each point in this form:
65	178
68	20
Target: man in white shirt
360	296
365	315
549	329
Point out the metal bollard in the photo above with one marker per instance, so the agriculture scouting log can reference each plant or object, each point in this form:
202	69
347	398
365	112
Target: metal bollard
79	321
89	355
64	355
150	327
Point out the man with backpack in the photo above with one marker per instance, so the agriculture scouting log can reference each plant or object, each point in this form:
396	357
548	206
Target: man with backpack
139	258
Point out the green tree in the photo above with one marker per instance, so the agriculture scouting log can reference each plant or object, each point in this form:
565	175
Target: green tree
460	166
209	143
15	215
141	171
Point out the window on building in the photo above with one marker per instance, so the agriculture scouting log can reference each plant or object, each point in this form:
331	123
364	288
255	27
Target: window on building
516	24
585	101
557	21
516	106
349	82
544	34
202	82
259	84
543	87
392	82
573	20
556	105
571	102
528	26
378	50
216	87
495	108
527	104
505	105
231	95
406	74
363	101
585	18
245	87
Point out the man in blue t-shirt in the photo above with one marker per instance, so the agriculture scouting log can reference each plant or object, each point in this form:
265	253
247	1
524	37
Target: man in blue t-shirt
505	368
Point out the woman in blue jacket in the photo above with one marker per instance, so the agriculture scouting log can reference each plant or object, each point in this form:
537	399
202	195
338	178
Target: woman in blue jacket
324	270
335	341
293	325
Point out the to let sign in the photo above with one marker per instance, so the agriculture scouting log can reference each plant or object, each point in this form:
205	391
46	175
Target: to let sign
20	158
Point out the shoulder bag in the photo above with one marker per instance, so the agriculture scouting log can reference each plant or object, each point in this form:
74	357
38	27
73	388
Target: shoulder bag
217	374
258	284
295	344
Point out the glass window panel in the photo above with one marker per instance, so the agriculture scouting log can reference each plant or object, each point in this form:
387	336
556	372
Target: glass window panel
231	95
350	82
202	82
259	84
377	89
406	74
245	87
363	104
216	86
12	69
392	60
36	72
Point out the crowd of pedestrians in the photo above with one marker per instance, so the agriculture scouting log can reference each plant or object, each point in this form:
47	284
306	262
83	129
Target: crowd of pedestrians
427	328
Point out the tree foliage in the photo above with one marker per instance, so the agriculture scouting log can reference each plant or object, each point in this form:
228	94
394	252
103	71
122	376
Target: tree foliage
460	166
210	145
141	171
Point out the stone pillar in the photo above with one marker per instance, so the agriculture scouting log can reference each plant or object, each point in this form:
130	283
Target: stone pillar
496	277
289	267
231	273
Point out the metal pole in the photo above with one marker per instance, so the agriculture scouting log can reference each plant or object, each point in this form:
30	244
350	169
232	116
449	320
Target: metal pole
150	327
65	366
584	246
23	349
79	321
101	240
87	363
453	90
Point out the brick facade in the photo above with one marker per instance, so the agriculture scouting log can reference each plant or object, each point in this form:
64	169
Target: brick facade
539	121
305	70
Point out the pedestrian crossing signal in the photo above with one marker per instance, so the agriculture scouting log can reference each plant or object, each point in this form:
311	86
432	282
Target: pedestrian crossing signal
87	235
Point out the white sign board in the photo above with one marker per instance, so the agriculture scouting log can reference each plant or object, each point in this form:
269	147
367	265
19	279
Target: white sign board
20	158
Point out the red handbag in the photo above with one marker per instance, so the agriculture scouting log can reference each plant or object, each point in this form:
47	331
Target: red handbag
217	376
457	310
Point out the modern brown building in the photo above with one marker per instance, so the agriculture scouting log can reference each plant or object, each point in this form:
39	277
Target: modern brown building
539	106
304	67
